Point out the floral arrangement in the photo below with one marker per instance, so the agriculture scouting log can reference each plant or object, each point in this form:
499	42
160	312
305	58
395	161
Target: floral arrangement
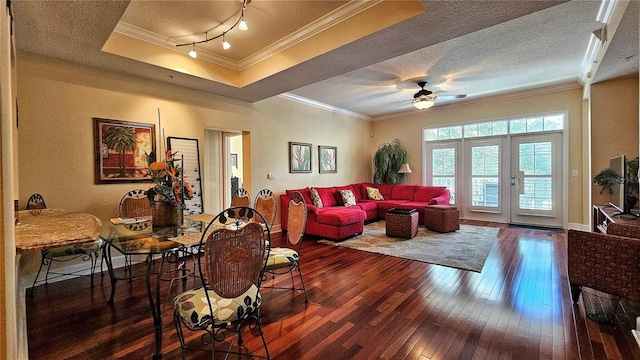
170	185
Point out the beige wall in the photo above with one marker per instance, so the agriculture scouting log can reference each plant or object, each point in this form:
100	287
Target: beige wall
614	125
58	101
408	130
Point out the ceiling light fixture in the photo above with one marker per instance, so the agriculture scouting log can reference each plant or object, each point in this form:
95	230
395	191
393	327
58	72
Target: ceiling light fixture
423	102
240	23
225	44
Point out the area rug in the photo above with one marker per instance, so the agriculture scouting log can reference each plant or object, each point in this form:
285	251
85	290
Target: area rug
465	249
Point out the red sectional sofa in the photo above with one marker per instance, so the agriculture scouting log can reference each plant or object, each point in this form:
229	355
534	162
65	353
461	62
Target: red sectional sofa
336	221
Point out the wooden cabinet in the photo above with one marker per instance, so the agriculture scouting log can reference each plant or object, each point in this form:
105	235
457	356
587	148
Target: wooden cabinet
605	215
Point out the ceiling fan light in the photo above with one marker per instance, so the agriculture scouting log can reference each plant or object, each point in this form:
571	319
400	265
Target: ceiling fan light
422	103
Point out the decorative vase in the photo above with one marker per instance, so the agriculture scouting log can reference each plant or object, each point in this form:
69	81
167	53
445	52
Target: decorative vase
165	214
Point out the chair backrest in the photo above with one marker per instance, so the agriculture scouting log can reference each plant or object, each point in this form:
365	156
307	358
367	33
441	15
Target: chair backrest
135	204
233	255
297	218
265	204
241	198
36	202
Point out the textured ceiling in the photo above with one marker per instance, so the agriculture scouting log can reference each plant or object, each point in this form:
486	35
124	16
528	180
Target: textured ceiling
478	48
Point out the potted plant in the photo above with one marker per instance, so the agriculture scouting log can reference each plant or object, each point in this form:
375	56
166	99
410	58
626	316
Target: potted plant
170	190
607	179
387	161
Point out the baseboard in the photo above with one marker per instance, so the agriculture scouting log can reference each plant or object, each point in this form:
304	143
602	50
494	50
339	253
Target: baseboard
576	226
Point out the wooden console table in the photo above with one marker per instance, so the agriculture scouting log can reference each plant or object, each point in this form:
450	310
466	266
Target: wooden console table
604	215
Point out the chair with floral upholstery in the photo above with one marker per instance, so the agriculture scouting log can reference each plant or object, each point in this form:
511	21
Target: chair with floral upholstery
286	260
87	251
265	204
230	268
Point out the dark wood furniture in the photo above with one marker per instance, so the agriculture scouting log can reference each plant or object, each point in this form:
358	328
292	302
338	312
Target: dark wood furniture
604	215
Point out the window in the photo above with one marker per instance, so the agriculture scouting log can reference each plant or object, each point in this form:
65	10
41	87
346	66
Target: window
443	172
485	176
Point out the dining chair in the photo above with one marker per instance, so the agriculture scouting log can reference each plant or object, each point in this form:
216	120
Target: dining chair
241	198
286	260
87	251
265	204
230	269
134	204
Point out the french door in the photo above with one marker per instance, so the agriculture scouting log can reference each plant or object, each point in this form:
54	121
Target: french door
510	179
536	179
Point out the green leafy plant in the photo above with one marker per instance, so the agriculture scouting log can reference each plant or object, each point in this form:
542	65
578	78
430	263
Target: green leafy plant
607	179
387	161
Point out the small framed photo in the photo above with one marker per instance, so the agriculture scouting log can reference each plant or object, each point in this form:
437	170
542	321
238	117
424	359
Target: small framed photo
327	159
299	157
120	150
233	160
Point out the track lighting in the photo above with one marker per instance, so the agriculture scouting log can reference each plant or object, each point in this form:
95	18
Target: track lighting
225	44
240	23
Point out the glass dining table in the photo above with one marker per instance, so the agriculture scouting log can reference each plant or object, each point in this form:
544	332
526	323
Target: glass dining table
161	247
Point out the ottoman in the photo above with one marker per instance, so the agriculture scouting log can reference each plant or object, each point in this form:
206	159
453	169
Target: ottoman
402	223
442	218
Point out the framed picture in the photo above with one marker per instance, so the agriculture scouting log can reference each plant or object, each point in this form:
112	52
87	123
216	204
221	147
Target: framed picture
299	157
120	150
233	160
327	159
191	164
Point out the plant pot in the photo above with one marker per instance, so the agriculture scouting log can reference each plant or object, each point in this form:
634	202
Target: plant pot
165	214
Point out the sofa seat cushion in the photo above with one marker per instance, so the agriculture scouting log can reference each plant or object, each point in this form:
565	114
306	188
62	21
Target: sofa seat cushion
388	204
339	216
418	205
368	205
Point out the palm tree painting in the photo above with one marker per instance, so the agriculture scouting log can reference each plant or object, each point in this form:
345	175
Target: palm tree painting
299	157
121	149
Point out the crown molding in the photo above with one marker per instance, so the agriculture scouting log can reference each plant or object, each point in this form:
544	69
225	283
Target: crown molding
317	104
333	18
512	94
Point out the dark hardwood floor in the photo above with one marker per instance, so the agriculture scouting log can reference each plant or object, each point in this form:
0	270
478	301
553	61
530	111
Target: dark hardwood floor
363	306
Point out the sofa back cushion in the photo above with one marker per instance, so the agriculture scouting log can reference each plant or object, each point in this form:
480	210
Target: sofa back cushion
338	194
328	196
426	193
402	192
360	190
385	190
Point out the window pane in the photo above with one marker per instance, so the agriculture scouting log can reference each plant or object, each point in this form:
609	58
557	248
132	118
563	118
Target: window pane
456	132
535	158
537	194
444	162
484	129
500	127
484	192
535	124
518	126
553	122
485	173
431	134
471	130
450	183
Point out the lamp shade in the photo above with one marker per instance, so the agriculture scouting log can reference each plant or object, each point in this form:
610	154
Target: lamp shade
404	169
423	103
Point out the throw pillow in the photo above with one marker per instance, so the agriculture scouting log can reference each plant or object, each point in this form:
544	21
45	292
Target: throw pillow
348	198
374	194
315	198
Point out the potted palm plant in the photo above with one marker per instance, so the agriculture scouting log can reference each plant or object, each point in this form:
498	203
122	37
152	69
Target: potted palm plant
387	161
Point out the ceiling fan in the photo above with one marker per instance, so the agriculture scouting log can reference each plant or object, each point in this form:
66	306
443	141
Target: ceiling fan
425	99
